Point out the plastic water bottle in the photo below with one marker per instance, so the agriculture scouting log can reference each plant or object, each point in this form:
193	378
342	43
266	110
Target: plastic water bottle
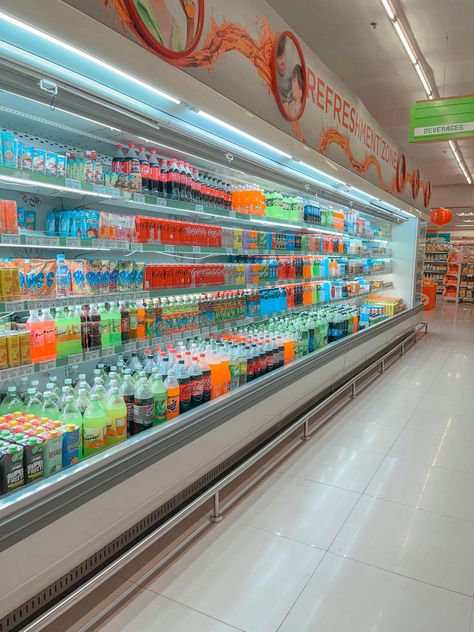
62	276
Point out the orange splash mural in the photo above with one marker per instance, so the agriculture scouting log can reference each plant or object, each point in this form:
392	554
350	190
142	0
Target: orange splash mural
230	36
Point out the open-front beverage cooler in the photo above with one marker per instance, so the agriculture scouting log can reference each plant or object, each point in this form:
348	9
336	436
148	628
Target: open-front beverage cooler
161	244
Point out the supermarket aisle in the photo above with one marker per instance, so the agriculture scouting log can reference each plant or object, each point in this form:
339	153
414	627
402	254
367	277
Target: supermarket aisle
369	527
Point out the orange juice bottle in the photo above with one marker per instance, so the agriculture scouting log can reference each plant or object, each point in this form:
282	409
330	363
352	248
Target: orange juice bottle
36	329
225	372
141	320
172	389
48	351
289	353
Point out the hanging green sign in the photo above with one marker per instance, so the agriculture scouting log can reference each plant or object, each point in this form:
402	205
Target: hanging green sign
444	119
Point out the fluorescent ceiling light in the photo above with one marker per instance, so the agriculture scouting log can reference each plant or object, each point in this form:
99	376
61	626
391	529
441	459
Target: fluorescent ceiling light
231	128
423	79
84	55
388	9
405	41
326	175
53	187
85	118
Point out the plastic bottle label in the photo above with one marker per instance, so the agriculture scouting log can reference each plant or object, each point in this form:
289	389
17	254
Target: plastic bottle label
185	394
142	414
117	427
93	438
173	406
160	408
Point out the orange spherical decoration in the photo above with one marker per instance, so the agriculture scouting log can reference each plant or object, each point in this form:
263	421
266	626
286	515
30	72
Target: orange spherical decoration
441	216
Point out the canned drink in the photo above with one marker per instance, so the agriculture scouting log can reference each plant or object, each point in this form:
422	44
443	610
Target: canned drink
13	349
12	473
52	451
71	444
25	347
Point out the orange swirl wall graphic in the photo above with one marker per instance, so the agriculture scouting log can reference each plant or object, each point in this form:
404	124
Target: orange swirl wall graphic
232	37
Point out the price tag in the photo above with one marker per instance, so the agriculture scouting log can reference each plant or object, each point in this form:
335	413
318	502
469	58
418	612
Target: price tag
14	306
34	240
232	214
47	366
127	195
99	188
112	191
26	370
138	197
161	202
51	241
169	248
129	346
199	208
74	359
8	374
11	239
197	249
205	331
73	184
229	251
138	247
73	242
91	355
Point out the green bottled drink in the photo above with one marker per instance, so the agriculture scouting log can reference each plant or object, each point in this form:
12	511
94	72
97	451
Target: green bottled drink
11	402
72	415
94	427
116	412
61	323
50	408
160	399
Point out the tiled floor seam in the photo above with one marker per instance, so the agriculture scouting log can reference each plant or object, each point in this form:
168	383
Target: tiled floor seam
387	570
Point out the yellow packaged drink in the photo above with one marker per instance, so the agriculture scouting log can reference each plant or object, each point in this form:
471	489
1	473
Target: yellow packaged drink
25	347
13	349
3	351
7	284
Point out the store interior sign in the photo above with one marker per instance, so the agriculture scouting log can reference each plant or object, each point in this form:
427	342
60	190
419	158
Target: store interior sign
443	119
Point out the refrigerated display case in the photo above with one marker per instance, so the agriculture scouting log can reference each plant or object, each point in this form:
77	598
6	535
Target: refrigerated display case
254	243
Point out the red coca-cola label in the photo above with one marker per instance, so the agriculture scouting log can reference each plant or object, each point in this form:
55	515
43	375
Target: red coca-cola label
197	387
155	173
185	392
173	176
206	383
145	171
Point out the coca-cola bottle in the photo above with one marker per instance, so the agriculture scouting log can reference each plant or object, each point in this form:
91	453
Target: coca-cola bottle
145	171
196	187
182	180
173	185
164	178
117	160
131	169
189	181
184	382
155	182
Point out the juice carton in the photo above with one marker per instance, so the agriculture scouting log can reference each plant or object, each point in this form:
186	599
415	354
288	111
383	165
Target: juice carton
8	150
104	277
51	163
13	349
26	219
12	472
76	269
33	461
52	450
3	350
10	215
25	347
71	444
125	276
9	284
27	157
93	277
18	152
113	276
138	280
89	224
62	165
39	160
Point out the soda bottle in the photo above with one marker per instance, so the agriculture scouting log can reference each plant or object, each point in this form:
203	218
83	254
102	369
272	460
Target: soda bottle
93	328
82	383
72	415
145	171
165	179
83	400
104	325
36	329
160	399
206	378
133	321
117	160
142	407
197	383
94	427
234	368
54	387
49	328
115	319
184	382
33	402
49	408
99	390
134	364
84	332
174	180
116	411
128	393
242	356
66	391
12	402
172	390
155	175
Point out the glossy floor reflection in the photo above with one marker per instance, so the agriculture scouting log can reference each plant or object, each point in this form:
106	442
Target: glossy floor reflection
368	527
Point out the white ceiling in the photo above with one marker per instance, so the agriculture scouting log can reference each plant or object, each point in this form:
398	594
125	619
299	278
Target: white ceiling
373	63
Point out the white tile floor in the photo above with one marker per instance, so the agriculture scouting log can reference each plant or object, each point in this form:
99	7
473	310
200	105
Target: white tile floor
369	527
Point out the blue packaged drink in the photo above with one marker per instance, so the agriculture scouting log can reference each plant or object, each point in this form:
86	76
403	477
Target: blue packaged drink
8	150
27	157
71	444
